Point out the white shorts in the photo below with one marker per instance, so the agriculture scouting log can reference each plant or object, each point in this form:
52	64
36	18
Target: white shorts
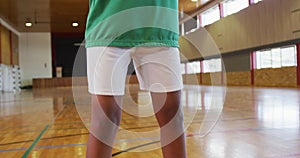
157	69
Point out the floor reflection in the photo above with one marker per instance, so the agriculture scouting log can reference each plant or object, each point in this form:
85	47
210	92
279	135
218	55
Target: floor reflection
221	122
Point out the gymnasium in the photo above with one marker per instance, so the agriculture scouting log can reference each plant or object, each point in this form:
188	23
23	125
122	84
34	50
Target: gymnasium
240	65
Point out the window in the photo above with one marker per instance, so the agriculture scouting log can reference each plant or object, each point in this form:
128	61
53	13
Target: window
210	16
276	57
233	6
190	25
289	56
212	65
193	67
182	68
263	59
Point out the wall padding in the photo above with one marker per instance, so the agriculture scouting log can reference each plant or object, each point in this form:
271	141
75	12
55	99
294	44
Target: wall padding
281	77
238	78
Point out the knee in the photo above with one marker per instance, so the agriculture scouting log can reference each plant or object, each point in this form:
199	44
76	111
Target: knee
171	114
106	110
104	116
113	116
168	107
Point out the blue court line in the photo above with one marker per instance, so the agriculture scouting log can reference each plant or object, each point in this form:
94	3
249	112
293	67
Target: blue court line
11	150
44	139
29	126
72	145
33	131
35	141
43	147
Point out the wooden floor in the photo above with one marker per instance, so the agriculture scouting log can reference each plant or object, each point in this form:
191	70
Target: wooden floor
251	123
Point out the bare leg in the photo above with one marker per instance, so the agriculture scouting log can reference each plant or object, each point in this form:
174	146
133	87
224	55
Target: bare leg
170	110
100	126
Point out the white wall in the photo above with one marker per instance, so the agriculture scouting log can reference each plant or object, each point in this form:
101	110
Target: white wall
35	56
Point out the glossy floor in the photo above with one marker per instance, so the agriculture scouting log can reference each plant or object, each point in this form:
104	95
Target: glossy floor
221	122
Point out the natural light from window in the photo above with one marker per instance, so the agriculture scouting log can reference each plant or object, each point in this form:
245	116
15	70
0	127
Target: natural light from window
256	1
210	16
276	57
233	6
182	68
193	67
212	65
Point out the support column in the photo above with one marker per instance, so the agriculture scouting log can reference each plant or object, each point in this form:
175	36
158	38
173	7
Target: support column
298	63
199	21
0	44
251	2
252	66
223	72
221	8
201	72
185	73
11	48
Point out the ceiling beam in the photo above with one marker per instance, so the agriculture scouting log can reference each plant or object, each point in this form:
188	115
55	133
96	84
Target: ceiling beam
9	27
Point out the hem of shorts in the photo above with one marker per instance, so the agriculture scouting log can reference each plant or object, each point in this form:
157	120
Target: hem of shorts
143	43
166	89
110	93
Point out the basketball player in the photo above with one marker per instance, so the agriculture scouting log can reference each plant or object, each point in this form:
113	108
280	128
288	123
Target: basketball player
145	31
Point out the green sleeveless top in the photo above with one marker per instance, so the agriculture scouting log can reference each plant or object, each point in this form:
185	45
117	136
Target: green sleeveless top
131	23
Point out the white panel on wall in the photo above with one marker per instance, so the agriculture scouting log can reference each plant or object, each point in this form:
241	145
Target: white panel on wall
35	56
10	78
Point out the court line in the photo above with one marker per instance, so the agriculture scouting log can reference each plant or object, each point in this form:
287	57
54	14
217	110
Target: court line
11	143
147	144
130	128
70	135
29	126
23	126
187	135
44	139
11	150
139	146
35	141
60	146
42	132
129	149
132	148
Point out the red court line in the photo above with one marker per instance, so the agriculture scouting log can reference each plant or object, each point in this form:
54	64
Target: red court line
0	43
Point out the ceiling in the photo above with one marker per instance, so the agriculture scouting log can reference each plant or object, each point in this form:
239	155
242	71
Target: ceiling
58	15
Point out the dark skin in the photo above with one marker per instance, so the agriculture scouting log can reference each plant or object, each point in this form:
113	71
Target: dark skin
166	107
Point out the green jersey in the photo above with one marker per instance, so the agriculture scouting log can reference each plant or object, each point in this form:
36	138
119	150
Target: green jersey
131	23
